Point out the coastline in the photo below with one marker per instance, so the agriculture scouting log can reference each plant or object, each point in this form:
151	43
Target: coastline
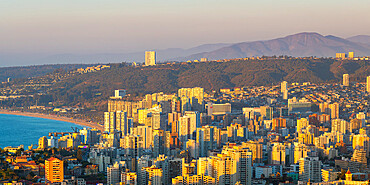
53	117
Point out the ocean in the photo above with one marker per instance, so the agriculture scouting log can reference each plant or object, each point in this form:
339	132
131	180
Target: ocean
22	130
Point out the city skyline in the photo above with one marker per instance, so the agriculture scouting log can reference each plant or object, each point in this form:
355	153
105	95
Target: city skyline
290	132
185	92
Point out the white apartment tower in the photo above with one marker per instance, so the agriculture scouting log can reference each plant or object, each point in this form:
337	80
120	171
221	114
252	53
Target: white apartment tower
346	80
284	86
150	58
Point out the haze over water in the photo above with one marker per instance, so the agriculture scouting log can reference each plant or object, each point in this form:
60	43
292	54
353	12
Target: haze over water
17	130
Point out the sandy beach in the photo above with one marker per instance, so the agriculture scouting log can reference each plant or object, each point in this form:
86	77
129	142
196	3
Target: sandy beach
53	117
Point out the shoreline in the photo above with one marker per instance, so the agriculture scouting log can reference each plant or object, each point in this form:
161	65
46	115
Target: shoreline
53	117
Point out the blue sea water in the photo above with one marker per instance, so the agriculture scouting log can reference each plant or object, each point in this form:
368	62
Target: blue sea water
22	130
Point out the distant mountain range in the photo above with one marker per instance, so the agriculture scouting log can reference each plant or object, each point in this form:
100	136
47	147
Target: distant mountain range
364	39
300	45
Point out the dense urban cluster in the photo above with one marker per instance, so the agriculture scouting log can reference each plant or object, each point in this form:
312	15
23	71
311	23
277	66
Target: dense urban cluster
287	134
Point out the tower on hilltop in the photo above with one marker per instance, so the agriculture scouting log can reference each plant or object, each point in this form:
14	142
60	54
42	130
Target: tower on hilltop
150	58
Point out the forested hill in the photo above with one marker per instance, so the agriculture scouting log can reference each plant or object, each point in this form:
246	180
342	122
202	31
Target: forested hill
92	87
34	71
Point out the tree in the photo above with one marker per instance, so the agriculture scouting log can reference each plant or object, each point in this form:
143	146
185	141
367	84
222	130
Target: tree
79	154
19	152
342	175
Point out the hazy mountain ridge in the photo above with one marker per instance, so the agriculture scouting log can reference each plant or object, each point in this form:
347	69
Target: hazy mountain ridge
299	45
364	39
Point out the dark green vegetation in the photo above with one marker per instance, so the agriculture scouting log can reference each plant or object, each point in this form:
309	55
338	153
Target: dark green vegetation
211	76
33	71
91	90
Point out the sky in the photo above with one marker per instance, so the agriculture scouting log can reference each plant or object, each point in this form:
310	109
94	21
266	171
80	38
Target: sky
41	28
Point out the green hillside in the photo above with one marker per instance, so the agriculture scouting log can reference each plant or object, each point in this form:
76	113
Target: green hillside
210	75
91	90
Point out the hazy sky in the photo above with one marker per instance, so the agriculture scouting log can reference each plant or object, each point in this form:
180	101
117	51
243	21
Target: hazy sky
118	26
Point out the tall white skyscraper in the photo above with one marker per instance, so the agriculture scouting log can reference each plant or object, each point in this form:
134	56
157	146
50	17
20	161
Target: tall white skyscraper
122	122
284	89
345	80
284	86
109	121
150	58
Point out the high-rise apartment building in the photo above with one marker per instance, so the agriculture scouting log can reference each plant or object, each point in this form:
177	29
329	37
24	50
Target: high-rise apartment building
117	121
43	143
346	80
54	170
301	124
128	178
340	125
334	110
359	156
324	107
284	86
361	141
310	169
368	84
205	140
153	175
202	166
133	145
329	175
241	165
340	55
163	163
184	128
203	59
116	104
122	123
300	151
146	134
173	119
193	180
224	169
109	121
278	123
351	55
194	95
119	93
194	121
158	141
278	154
285	95
150	58
284	89
267	112
218	109
257	150
113	174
